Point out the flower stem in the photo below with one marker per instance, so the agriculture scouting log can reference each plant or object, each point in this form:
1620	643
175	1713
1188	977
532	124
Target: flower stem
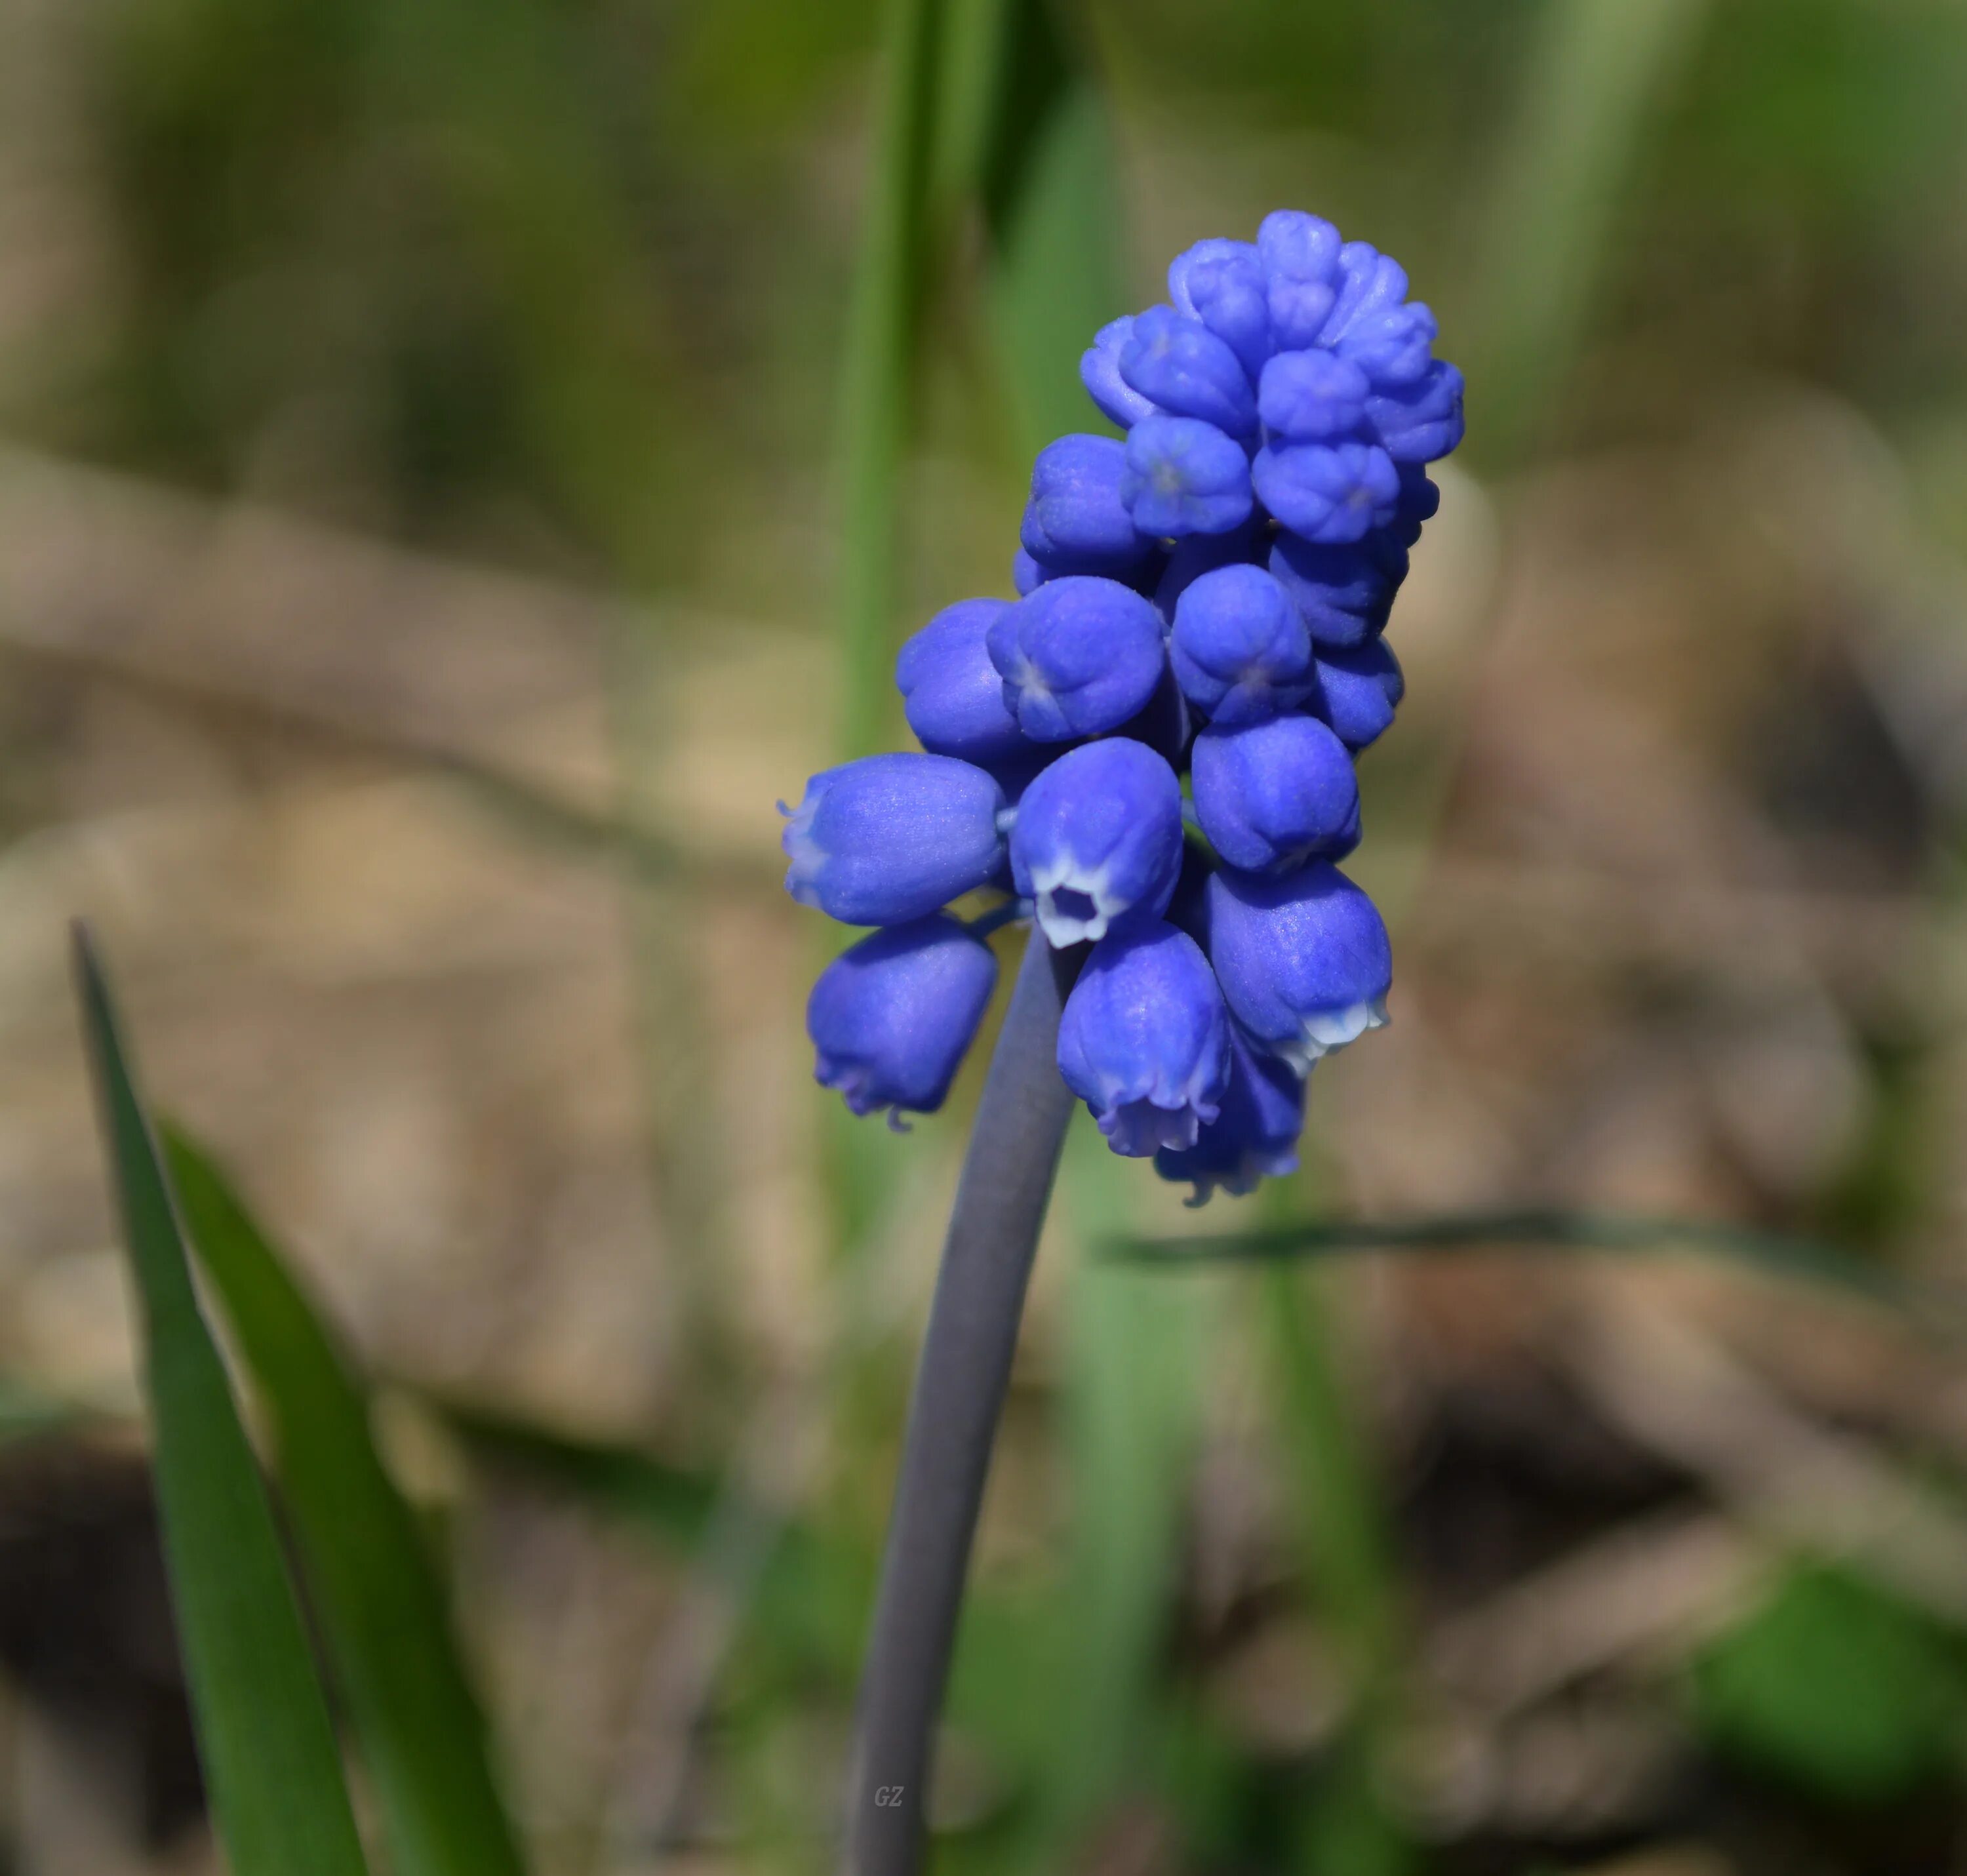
959	1391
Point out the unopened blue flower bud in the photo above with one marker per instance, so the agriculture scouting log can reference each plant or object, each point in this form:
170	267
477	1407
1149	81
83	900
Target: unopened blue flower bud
893	837
1239	649
1075	521
1078	656
1301	257
891	1018
1372	285
1393	344
1196	554
1100	371
1223	284
1275	795
1327	492
1417	422
1311	397
1302	958
1144	1040
1185	477
1186	370
1026	574
1343	593
1420	502
1097	843
1359	688
1253	1136
951	694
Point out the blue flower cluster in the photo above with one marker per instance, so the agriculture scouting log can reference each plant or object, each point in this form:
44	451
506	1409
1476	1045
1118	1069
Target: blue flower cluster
1207	595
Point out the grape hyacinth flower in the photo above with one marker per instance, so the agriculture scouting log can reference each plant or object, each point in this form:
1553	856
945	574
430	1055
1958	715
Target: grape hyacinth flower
1201	600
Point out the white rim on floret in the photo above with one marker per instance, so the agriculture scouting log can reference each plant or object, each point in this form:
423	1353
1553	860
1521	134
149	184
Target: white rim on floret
805	854
1327	1030
1065	874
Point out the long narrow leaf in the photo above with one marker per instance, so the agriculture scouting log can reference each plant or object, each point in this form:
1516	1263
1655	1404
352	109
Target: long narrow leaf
268	1748
890	286
1804	1259
383	1612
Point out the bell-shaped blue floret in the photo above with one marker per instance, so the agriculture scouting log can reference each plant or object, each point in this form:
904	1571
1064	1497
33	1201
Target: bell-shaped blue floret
1302	958
1301	257
951	694
1075	521
1223	284
1097	843
891	1018
1275	795
1343	593
1311	397
1358	690
1144	1040
893	837
1417	422
1239	649
1185	477
1327	492
1100	371
1026	574
1186	369
1078	657
1253	1136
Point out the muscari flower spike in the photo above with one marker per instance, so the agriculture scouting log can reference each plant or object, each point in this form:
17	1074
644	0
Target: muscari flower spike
1203	597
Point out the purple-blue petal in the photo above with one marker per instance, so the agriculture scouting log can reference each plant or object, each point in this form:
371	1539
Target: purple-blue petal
1186	370
951	694
1097	843
1078	656
1274	795
1327	492
1239	649
1359	688
891	1018
893	837
1302	958
1185	477
1144	1040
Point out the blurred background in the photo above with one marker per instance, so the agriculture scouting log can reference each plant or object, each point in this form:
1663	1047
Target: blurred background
436	524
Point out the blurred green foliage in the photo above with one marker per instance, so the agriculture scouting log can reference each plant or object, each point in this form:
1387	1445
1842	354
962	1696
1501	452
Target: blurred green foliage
1832	1685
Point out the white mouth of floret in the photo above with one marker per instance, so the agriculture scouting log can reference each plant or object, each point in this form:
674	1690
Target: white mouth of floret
1327	1030
1074	904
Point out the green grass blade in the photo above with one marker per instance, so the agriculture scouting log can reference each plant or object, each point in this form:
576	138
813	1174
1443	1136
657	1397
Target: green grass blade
382	1610
1050	195
1806	1260
1595	78
884	321
271	1763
